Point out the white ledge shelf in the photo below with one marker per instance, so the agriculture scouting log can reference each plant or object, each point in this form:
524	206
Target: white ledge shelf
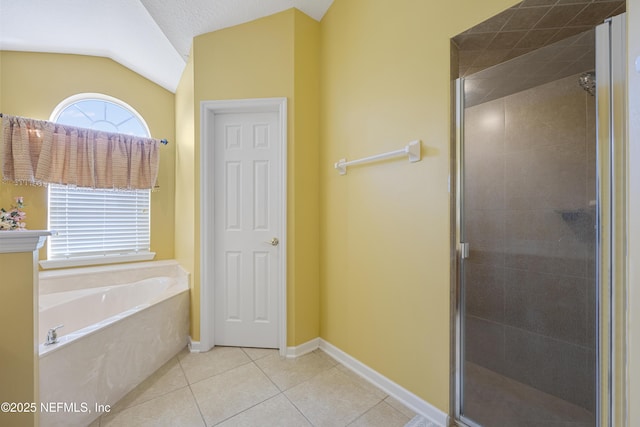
22	240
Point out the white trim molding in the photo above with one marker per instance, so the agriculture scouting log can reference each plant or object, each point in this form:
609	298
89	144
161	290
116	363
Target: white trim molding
410	400
88	96
22	240
302	349
424	410
196	346
96	260
208	111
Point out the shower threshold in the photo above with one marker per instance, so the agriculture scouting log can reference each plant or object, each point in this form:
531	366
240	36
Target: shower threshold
493	400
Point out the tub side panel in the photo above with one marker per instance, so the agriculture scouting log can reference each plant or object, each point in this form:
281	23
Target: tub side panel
103	367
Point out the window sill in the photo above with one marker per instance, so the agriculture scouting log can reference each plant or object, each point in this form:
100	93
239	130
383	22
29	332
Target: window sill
96	260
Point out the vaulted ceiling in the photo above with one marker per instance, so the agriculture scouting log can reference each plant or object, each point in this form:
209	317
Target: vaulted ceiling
151	37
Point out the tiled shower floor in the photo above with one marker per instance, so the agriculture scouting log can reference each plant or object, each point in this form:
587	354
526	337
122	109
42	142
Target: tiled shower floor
497	401
231	386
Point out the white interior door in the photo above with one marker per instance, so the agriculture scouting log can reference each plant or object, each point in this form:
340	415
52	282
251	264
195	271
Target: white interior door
247	214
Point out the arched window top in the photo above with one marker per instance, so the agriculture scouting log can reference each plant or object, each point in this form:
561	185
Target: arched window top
84	237
101	112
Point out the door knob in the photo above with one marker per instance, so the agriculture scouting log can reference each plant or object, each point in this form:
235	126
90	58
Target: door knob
274	242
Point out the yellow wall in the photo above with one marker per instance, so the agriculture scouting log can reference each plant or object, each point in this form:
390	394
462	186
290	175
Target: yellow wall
185	188
33	84
385	245
304	315
276	56
18	354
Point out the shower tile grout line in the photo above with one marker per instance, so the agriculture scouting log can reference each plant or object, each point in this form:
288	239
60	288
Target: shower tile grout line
586	347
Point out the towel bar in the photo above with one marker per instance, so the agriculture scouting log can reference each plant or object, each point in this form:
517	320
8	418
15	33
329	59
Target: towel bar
412	150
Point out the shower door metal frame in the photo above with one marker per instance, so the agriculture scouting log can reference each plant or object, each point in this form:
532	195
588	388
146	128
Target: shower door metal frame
611	266
457	326
460	248
611	224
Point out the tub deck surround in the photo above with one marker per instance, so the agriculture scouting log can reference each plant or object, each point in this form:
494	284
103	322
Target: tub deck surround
83	311
70	279
115	335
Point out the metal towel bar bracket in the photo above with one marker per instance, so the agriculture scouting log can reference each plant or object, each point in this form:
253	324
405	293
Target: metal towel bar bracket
412	150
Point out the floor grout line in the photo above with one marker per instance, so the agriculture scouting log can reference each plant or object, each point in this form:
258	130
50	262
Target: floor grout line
261	402
279	392
216	374
298	409
268	377
193	396
247	409
282	392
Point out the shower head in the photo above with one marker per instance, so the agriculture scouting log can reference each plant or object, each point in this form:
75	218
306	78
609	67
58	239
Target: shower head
587	81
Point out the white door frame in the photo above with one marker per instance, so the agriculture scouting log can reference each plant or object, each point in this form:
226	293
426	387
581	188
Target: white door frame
208	111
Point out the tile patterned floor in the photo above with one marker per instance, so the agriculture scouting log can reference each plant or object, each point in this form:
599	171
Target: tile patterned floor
233	387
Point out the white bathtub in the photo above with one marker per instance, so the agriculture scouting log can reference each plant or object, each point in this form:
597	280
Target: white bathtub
121	323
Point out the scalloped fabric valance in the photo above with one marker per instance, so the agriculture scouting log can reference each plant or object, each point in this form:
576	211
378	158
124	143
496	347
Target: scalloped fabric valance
41	152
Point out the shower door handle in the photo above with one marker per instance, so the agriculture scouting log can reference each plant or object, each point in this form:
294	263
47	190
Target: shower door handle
464	250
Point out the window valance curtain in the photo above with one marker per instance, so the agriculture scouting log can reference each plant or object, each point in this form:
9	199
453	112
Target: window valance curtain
41	152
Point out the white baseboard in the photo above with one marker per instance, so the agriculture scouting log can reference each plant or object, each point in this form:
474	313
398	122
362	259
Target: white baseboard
196	346
404	396
302	349
410	400
289	352
419	421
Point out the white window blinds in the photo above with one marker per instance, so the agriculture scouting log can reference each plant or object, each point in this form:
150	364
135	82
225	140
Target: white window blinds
92	222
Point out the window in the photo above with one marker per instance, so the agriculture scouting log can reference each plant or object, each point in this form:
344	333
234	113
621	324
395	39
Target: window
98	226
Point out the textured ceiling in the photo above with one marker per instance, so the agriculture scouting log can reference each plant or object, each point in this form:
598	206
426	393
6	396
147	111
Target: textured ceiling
528	26
181	20
151	37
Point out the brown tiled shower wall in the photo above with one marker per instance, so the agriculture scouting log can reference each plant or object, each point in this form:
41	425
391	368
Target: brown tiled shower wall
527	26
529	219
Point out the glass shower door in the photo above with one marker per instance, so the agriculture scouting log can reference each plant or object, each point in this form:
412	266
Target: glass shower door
528	223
